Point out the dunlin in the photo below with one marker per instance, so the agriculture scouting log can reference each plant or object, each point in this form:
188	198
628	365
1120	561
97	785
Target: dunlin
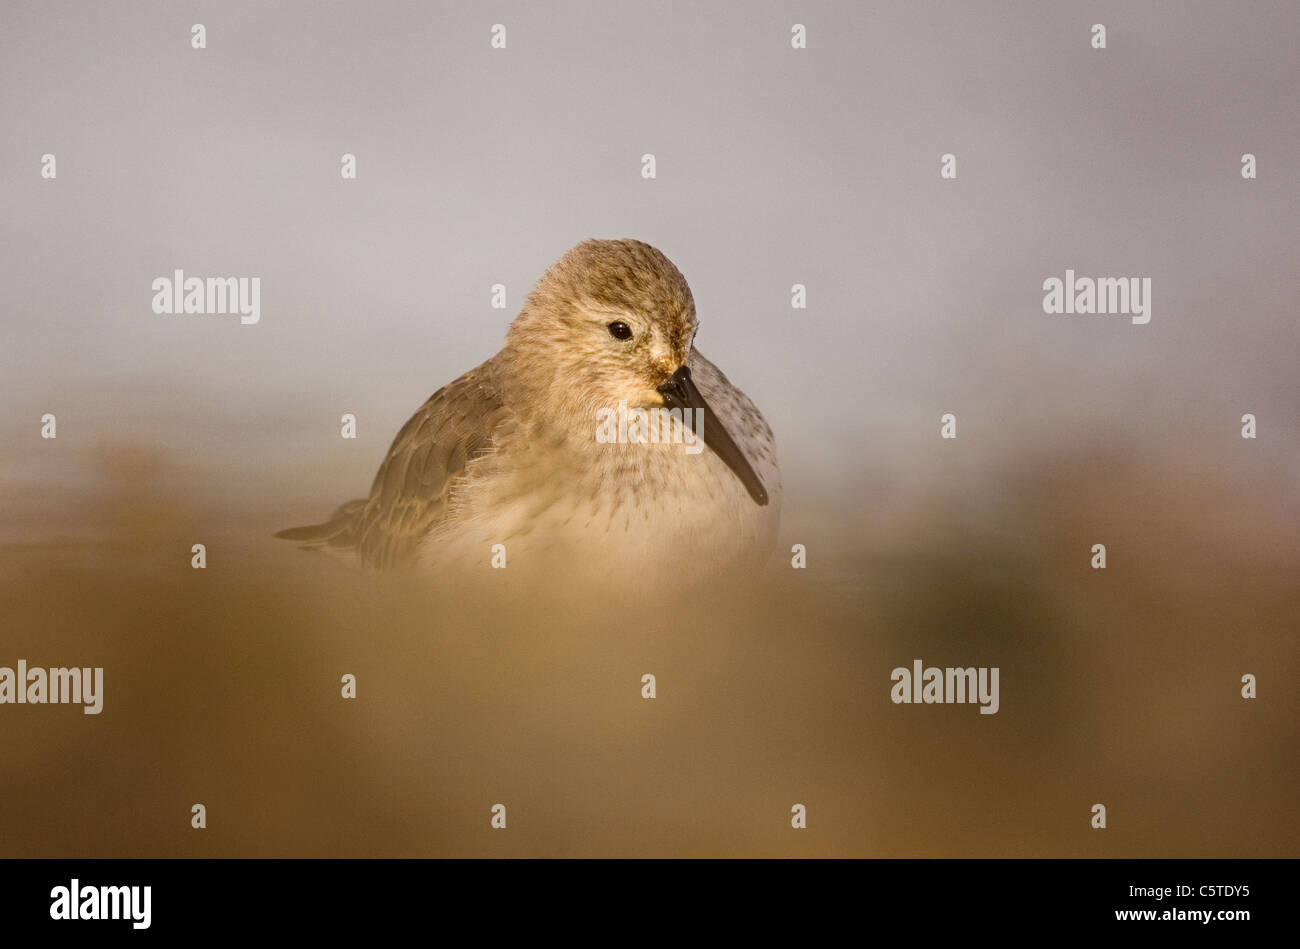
514	452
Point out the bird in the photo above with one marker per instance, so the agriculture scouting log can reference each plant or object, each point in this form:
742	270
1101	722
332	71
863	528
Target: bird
544	453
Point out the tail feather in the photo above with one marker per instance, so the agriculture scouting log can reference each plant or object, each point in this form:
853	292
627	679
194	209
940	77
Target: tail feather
338	531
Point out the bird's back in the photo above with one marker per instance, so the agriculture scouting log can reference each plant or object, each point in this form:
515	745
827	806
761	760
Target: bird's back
414	490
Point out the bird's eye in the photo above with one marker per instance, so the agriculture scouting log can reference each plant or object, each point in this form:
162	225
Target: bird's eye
620	330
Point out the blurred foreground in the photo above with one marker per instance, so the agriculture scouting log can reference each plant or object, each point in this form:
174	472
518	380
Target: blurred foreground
223	685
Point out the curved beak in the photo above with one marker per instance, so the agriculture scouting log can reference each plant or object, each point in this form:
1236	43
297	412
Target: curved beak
680	392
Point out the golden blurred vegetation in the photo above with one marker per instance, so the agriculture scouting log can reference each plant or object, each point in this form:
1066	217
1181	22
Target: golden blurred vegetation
222	685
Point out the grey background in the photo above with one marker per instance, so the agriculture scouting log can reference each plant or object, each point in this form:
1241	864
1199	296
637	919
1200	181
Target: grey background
776	166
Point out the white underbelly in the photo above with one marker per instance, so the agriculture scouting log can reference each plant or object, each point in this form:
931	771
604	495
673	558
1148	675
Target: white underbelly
669	514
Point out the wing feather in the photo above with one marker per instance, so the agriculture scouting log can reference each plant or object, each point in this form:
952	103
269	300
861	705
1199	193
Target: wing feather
413	487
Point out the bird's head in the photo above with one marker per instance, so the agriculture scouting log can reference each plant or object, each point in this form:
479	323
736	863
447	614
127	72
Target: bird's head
610	321
614	321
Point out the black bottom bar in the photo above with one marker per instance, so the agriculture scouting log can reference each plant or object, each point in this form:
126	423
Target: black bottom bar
486	897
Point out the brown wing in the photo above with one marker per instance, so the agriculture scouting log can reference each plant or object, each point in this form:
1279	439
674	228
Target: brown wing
412	488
